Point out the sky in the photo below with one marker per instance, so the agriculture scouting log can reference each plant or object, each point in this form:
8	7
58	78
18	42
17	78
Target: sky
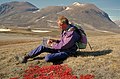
111	7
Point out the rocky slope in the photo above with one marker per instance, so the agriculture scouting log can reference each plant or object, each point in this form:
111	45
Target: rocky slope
117	22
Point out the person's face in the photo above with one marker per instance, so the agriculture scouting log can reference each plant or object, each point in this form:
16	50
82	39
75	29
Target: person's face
61	25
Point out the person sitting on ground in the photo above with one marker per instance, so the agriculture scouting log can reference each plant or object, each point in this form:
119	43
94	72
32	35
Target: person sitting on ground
59	49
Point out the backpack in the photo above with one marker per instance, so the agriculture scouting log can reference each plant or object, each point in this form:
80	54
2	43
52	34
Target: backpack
82	42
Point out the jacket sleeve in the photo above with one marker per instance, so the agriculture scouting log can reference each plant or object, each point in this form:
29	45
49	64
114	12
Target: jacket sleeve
67	41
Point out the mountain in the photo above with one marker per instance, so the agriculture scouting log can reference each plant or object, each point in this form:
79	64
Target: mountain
25	14
117	22
14	7
8	11
89	16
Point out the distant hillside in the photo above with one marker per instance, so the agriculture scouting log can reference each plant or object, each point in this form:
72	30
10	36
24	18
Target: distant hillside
8	12
25	14
117	22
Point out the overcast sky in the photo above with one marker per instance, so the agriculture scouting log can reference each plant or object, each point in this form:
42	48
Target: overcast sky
111	7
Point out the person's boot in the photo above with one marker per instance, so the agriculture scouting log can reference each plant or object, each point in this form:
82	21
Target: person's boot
25	59
57	62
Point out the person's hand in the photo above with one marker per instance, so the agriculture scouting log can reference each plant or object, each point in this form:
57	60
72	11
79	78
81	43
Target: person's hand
49	42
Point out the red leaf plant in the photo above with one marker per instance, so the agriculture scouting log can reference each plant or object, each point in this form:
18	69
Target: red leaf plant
51	72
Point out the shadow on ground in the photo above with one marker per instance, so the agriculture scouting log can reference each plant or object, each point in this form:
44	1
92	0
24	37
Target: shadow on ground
93	53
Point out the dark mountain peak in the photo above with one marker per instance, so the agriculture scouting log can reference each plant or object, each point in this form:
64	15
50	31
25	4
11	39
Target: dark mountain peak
17	3
15	6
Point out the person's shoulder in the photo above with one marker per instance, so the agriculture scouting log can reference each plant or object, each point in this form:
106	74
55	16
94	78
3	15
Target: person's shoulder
72	27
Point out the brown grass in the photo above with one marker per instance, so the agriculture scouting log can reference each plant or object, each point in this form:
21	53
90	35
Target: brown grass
103	61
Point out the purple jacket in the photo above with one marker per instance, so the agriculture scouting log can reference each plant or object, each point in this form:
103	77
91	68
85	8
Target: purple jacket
67	41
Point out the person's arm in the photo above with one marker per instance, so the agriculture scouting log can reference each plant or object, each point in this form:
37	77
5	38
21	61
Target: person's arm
67	41
51	41
56	41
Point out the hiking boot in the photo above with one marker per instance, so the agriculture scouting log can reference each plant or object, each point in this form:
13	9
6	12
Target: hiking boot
57	62
25	59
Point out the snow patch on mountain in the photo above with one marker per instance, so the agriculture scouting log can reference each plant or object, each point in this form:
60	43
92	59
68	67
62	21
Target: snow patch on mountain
78	4
68	8
35	11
